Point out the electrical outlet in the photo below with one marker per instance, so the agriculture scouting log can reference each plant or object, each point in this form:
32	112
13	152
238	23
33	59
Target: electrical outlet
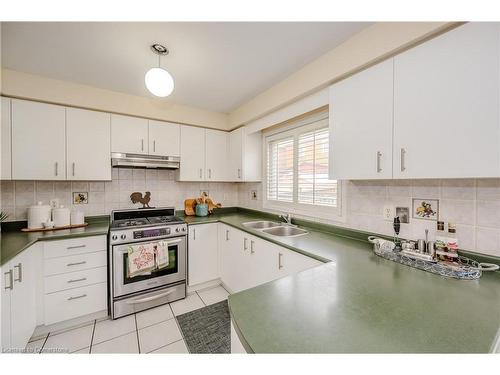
54	203
253	195
388	213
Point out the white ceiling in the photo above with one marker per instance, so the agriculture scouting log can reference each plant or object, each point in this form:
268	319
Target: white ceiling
216	66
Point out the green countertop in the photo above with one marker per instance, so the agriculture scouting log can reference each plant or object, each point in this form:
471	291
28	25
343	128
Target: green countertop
14	242
360	303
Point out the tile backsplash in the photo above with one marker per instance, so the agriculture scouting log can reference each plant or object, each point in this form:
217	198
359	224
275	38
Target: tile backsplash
473	204
103	197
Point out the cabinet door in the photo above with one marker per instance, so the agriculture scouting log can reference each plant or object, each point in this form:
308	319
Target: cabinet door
5	141
232	256
235	170
289	262
164	138
361	109
446	95
216	155
192	154
23	298
38	141
252	156
262	257
203	256
129	134
6	283
88	140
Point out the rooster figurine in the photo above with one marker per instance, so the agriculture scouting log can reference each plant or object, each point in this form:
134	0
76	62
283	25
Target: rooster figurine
138	198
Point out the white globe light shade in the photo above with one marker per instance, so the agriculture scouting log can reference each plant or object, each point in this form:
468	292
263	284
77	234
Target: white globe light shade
159	82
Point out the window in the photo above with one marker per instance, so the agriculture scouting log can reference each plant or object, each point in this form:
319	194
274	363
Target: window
297	170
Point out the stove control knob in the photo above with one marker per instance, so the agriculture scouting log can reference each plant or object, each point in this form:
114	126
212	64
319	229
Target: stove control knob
183	229
177	229
114	237
123	236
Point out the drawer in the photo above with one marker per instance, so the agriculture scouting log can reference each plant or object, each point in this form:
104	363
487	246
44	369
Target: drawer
71	280
81	245
72	303
74	263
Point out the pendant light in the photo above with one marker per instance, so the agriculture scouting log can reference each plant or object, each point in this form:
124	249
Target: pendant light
158	81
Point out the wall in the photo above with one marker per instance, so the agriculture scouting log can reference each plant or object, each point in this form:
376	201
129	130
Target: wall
474	205
29	86
106	196
371	45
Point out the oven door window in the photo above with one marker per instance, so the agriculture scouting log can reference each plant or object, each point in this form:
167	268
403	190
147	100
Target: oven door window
173	264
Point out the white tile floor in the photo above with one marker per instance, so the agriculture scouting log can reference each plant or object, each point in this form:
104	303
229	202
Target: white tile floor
150	331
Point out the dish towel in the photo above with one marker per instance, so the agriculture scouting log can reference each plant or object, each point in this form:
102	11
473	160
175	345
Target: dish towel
141	259
162	259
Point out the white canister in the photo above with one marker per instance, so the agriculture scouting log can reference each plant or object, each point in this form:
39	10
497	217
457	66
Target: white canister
61	216
37	215
77	217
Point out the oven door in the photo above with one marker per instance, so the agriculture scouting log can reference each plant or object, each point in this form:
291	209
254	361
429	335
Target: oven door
123	284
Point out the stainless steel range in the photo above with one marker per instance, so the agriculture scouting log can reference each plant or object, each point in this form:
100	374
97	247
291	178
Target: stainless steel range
132	292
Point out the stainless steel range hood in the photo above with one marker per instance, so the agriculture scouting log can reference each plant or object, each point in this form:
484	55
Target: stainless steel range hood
144	161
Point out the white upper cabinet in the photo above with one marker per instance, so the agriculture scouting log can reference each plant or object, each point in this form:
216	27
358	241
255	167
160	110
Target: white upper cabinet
88	137
164	138
192	167
446	106
129	134
216	155
361	109
245	156
38	141
5	139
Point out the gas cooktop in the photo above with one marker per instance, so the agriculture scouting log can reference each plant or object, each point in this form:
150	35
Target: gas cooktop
122	219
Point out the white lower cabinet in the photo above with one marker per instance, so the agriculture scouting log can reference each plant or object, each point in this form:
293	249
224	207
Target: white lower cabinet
202	254
247	261
18	299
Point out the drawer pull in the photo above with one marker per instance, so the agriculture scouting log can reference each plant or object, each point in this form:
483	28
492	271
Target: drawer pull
77	297
280	264
77	280
76	264
75	247
148	299
11	280
19	267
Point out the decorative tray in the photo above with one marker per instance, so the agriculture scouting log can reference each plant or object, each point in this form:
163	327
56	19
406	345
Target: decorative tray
462	268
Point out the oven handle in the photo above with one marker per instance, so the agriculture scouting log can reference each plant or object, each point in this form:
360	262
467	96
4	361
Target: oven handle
148	299
123	247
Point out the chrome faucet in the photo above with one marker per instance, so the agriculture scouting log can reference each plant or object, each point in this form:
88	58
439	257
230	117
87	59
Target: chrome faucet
287	218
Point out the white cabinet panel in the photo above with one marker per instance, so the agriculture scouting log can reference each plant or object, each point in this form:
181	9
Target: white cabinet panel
38	141
164	138
192	164
88	144
245	156
216	155
446	104
203	257
361	109
129	134
5	141
232	257
6	284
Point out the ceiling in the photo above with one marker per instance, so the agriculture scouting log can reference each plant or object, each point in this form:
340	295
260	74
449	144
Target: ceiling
216	66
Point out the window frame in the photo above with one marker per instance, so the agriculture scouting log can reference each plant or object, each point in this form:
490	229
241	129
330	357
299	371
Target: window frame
308	124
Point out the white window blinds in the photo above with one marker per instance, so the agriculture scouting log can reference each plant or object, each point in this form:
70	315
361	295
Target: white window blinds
313	185
280	170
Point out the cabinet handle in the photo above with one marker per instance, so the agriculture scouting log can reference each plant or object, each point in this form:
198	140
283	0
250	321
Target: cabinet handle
77	280
154	146
239	173
251	247
194	234
379	155
209	173
403	153
73	167
245	244
280	265
57	168
227	235
142	144
11	280
200	173
77	297
19	267
75	264
75	247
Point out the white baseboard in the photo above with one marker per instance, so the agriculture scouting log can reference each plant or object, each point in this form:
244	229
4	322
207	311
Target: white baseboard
209	284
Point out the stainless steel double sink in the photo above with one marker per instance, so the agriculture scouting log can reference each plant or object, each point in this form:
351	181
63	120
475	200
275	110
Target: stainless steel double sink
276	229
